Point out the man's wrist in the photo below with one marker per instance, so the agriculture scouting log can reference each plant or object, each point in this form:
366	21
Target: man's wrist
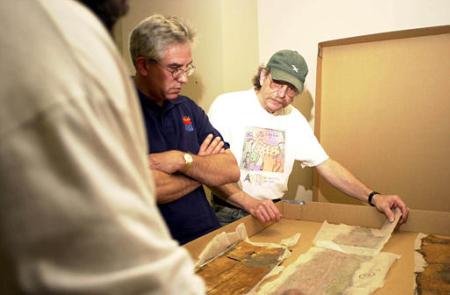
188	161
371	198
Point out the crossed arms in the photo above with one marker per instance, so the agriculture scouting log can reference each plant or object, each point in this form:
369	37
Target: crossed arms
217	168
212	166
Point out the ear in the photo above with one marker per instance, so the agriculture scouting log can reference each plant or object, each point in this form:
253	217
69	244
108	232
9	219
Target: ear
141	66
263	76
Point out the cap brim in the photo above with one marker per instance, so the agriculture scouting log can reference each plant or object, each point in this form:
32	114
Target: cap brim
286	77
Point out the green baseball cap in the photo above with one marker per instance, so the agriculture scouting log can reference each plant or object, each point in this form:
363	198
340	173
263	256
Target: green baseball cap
289	66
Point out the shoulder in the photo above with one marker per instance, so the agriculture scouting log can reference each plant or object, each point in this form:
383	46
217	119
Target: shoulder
186	104
297	120
295	114
236	95
236	98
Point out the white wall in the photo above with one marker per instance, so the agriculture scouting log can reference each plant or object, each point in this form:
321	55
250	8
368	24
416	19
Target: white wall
302	24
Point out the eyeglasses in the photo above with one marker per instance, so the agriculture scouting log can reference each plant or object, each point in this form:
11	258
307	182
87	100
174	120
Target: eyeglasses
176	70
276	85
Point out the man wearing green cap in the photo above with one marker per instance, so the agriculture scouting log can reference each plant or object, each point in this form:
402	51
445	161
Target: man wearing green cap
267	134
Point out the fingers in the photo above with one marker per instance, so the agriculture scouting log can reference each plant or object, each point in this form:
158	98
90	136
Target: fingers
262	216
266	212
216	145
405	214
389	202
403	208
389	214
205	144
211	146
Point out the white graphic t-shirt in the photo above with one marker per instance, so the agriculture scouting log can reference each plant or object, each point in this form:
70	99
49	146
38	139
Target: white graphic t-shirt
264	145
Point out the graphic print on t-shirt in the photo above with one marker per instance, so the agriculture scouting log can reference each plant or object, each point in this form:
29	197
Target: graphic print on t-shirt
263	150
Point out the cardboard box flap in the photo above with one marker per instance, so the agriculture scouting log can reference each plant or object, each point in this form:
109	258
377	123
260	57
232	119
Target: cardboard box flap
335	213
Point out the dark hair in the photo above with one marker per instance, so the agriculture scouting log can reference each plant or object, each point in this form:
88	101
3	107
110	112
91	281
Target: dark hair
108	11
255	80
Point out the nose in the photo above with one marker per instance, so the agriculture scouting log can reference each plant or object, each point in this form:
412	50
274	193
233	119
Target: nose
183	78
282	91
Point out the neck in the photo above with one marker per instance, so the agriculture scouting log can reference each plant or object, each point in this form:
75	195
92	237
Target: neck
143	87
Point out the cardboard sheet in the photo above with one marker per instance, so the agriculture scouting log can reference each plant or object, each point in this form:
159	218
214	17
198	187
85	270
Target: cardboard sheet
307	219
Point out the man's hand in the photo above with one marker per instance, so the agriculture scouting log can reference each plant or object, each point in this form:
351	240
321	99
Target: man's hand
263	210
266	211
346	182
211	146
385	204
168	162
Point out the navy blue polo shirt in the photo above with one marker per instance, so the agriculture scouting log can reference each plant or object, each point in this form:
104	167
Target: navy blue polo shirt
182	125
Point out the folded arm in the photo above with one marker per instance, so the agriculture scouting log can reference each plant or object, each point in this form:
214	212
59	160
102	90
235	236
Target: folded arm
342	179
168	168
171	187
212	170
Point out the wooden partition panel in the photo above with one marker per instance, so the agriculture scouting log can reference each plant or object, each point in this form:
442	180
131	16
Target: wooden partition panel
383	111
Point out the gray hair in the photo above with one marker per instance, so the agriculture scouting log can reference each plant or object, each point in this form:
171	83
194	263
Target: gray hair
154	34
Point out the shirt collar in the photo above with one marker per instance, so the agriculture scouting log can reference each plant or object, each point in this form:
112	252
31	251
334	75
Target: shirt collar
148	102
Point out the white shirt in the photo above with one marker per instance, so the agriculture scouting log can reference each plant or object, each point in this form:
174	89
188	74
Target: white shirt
264	145
77	206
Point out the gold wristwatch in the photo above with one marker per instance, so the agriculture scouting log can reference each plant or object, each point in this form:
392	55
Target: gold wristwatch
188	160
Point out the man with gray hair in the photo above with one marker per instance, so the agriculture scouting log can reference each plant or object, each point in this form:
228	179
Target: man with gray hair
185	150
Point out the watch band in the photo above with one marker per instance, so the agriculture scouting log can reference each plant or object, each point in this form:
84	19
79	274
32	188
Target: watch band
370	199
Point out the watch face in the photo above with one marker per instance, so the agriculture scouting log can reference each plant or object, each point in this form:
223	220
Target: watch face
188	159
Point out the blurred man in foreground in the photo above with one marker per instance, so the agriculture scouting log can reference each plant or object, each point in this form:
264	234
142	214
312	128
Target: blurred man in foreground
77	207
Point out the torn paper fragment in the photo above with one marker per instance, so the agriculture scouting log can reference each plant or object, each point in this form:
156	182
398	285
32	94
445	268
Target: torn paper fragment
240	269
232	264
355	239
432	264
221	243
324	271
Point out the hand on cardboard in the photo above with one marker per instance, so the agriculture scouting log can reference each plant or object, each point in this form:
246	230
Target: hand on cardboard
385	204
264	210
211	146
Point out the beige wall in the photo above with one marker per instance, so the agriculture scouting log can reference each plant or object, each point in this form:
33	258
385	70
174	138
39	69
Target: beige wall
302	24
389	100
226	49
